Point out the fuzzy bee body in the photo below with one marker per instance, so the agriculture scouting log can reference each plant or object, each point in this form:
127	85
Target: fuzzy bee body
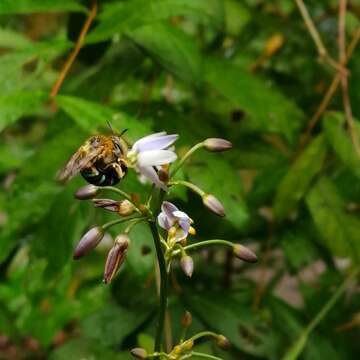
101	160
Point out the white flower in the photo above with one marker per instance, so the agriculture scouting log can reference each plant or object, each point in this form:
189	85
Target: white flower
172	217
152	151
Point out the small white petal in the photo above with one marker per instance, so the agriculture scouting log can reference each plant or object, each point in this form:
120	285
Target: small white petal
168	209
155	143
152	175
163	221
155	158
180	234
181	215
144	139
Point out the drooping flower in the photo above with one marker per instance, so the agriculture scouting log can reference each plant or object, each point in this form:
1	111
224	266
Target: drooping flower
175	221
152	151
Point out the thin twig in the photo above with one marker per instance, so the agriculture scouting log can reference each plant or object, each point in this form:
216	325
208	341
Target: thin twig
331	91
344	79
78	45
323	53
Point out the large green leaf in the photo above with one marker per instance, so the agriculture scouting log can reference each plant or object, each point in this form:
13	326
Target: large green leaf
175	50
339	230
91	116
296	182
29	6
265	107
340	140
16	105
123	16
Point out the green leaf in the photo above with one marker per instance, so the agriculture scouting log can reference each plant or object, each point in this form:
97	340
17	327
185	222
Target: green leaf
266	108
91	116
339	230
30	6
110	325
16	105
340	140
237	16
124	16
215	175
12	39
296	182
175	50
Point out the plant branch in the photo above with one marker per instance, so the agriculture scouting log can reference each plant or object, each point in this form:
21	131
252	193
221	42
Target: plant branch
204	244
78	45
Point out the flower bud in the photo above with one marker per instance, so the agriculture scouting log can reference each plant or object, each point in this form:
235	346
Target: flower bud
186	319
139	353
222	342
88	242
244	253
123	240
115	258
126	208
217	144
187	265
87	192
107	204
213	204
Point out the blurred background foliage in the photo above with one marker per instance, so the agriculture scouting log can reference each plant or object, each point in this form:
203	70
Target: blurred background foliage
243	70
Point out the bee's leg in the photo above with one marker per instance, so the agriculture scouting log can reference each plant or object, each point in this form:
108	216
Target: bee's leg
118	170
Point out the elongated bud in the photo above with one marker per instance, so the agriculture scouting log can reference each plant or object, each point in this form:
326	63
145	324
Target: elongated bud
186	319
244	253
123	240
217	144
187	265
88	242
107	204
114	259
213	204
139	353
222	342
87	192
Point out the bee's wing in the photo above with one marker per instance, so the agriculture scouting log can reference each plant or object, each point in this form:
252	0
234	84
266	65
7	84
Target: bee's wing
80	160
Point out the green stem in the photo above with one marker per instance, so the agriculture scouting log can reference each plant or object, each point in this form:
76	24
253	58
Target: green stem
204	244
119	221
202	334
185	157
163	276
189	185
207	356
299	345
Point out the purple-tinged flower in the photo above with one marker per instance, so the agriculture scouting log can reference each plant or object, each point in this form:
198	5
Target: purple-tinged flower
217	144
139	353
88	242
152	151
172	218
213	204
187	265
87	192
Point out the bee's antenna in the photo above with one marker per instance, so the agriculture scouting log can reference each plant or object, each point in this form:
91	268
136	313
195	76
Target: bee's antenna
123	132
110	126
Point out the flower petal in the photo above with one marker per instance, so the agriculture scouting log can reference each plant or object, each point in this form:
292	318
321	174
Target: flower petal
155	158
168	209
144	139
150	173
163	221
180	234
154	142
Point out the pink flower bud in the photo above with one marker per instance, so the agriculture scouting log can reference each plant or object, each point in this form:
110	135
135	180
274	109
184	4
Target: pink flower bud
217	144
244	253
114	259
139	353
88	242
186	319
213	204
87	192
187	265
107	204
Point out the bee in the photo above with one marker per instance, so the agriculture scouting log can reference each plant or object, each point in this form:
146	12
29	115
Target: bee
101	161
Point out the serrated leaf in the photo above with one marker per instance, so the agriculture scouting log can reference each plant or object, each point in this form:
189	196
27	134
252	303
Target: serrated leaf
339	230
175	50
340	140
125	16
91	116
266	108
31	6
16	105
297	180
216	176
